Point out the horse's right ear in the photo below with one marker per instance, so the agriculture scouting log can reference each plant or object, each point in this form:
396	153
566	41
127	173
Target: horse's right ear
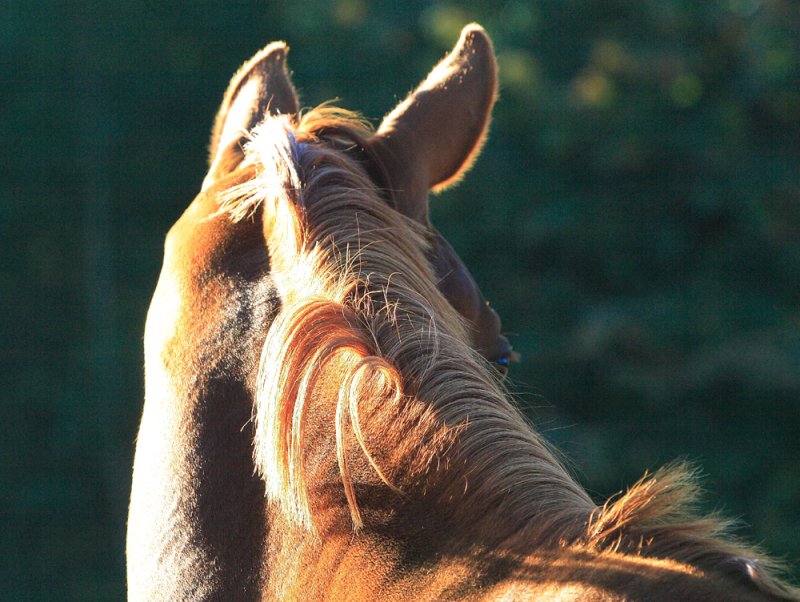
262	86
430	140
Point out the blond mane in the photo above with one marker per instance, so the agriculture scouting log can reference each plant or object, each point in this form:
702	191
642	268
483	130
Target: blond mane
357	290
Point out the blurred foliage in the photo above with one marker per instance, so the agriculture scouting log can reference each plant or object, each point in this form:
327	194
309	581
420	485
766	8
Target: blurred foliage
635	218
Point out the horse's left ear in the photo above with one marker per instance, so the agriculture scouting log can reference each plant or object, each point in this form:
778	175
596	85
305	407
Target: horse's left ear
430	140
262	86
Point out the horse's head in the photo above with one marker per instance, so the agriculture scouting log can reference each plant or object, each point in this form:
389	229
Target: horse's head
425	144
297	334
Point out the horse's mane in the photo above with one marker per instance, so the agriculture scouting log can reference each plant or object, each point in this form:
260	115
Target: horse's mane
357	290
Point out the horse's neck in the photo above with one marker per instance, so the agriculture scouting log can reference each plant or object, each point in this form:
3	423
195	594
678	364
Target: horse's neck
449	534
428	461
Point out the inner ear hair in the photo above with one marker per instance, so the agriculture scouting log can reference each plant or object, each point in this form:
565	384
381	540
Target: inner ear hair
429	141
261	87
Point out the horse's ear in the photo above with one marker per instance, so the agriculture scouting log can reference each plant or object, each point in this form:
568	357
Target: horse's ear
262	86
430	140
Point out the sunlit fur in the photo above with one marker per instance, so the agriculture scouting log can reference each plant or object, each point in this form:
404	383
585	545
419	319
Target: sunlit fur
427	413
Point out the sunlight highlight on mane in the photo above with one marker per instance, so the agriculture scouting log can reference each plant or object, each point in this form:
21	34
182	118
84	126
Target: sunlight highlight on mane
358	295
340	256
658	516
323	291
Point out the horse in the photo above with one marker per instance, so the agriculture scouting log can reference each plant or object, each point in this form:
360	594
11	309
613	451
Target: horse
325	416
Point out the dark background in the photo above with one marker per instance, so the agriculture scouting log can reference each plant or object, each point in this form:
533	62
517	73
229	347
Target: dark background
635	219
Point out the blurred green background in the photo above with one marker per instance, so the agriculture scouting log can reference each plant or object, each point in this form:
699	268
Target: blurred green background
635	219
